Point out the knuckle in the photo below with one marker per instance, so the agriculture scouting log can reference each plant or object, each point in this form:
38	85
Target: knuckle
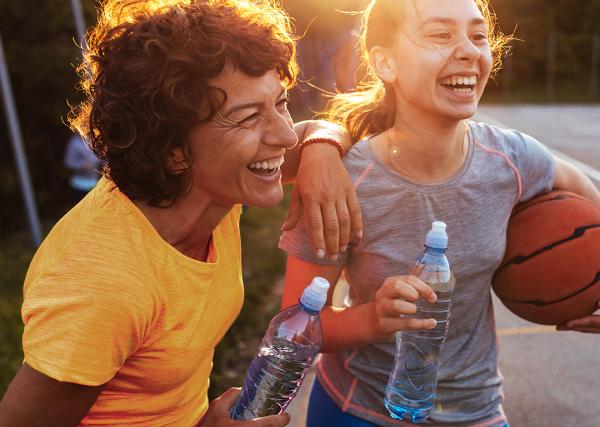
332	226
315	224
411	308
344	218
323	195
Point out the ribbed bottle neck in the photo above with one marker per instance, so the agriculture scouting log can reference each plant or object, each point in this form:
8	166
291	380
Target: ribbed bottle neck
435	251
308	310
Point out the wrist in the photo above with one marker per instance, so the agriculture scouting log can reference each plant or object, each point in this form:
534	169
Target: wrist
320	141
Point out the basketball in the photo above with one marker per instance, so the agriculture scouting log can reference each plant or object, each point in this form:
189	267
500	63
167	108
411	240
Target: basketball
551	269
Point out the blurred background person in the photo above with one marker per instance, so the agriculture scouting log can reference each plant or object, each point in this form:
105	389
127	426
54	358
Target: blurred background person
327	51
83	166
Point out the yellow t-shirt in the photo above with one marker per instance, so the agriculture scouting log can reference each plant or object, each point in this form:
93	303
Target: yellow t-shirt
107	300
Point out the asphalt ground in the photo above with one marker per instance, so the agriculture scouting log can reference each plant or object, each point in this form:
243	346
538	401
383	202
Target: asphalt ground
551	379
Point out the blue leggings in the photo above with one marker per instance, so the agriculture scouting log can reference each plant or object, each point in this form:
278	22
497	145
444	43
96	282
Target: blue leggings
324	412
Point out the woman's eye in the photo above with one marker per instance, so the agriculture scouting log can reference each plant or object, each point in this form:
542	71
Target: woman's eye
442	36
248	119
479	37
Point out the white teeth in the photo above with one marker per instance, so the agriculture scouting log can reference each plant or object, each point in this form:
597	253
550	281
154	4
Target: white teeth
460	80
267	164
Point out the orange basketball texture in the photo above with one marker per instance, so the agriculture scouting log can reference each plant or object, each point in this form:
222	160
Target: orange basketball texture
551	269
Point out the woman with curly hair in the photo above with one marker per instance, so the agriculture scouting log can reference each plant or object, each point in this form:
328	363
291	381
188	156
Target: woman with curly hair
131	291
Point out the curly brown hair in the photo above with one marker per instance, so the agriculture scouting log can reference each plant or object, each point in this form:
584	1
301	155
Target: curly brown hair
146	76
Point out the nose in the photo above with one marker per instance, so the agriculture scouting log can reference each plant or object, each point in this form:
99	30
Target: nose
467	51
280	131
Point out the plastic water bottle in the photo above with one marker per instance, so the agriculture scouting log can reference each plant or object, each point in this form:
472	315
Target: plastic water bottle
287	350
411	389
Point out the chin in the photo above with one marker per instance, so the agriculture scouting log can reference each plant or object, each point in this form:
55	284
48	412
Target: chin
461	112
267	200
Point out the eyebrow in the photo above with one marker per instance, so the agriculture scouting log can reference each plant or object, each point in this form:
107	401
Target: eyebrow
236	108
444	20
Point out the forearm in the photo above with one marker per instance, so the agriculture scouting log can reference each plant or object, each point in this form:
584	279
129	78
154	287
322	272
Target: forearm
350	327
342	327
34	399
569	178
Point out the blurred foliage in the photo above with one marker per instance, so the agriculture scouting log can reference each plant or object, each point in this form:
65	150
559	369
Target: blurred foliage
14	258
41	52
531	23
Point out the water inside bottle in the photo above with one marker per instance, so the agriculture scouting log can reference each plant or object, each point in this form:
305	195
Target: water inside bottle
274	378
411	392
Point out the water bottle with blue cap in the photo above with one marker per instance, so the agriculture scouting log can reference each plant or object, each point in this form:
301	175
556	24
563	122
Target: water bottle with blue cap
286	352
411	389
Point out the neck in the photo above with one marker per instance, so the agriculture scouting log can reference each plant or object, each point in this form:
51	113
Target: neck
187	225
426	154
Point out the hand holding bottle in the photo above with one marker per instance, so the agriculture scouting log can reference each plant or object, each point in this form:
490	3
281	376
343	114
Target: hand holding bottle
397	297
412	386
218	414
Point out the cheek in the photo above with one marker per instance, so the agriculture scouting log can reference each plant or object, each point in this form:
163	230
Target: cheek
486	61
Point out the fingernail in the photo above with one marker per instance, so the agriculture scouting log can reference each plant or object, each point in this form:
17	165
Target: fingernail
433	298
344	248
320	253
333	257
359	234
283	226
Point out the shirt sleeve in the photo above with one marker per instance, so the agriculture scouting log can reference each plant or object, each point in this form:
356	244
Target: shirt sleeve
533	161
81	325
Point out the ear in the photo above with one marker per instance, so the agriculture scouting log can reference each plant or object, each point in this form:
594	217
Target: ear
176	161
383	63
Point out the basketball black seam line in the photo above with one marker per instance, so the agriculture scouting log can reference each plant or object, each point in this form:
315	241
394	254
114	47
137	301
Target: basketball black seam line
544	303
520	259
553	199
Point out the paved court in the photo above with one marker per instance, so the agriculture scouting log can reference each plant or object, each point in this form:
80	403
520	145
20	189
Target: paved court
552	379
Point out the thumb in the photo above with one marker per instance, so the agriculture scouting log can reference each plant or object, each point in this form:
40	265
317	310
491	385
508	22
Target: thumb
228	398
279	420
294	211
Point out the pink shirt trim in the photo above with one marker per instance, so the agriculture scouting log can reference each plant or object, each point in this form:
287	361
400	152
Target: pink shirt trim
510	163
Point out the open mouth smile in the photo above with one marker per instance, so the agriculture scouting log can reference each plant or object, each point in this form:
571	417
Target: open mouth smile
266	167
460	84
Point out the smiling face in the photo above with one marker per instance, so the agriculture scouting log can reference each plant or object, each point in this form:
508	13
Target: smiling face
236	156
441	58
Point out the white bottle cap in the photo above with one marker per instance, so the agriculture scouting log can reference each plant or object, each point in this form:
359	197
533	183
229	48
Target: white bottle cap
314	296
437	237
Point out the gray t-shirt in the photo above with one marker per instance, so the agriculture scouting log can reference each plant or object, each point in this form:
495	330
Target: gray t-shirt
502	168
